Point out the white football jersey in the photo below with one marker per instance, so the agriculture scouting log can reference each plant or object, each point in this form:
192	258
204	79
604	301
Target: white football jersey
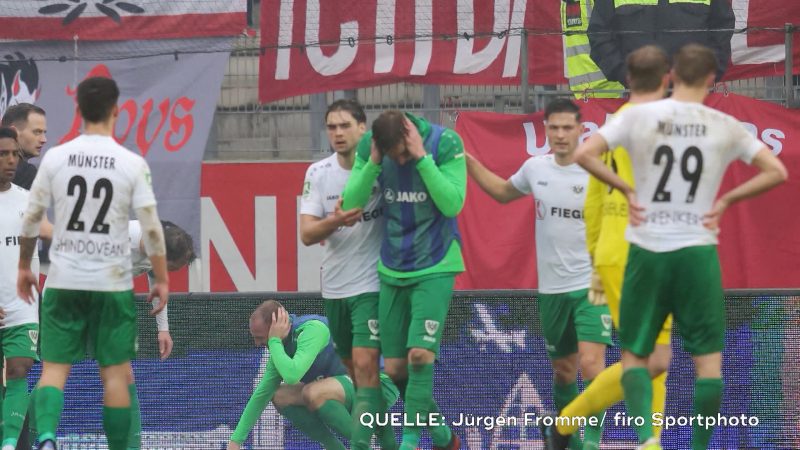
562	260
350	258
679	152
13	202
140	262
93	183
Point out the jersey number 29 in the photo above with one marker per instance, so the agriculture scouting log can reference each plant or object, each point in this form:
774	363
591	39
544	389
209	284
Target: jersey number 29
690	175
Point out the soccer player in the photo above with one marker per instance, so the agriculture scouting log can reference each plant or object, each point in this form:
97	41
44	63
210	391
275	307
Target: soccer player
606	216
93	183
301	351
679	150
422	175
179	253
19	321
576	332
30	123
349	277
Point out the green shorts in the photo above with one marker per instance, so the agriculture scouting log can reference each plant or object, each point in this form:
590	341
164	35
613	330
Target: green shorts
685	282
388	390
569	318
412	312
102	322
19	341
353	322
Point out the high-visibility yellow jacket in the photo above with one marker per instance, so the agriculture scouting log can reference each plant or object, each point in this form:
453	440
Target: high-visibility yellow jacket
583	74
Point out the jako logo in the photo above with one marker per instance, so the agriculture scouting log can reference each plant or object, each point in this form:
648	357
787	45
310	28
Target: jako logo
404	197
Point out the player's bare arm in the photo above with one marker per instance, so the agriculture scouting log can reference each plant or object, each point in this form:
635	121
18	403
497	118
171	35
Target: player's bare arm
499	189
26	280
772	172
153	238
587	155
315	229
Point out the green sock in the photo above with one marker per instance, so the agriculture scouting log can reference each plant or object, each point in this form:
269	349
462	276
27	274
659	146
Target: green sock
368	401
334	414
49	403
707	399
32	412
311	425
418	401
117	425
593	433
562	395
386	437
440	435
135	438
639	399
401	387
15	405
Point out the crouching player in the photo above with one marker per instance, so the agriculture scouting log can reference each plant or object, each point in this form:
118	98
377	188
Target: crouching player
304	378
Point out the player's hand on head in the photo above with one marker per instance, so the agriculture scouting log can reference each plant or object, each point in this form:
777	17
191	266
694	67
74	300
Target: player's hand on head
374	154
164	344
414	140
280	324
27	284
347	218
712	218
233	446
160	291
635	210
597	295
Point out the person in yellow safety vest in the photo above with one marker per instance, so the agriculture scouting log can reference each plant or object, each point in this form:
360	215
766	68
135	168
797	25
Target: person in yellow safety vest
618	27
585	77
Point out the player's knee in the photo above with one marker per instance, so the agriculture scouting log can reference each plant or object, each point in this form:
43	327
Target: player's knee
564	371
365	366
420	356
19	369
591	363
312	397
658	365
396	368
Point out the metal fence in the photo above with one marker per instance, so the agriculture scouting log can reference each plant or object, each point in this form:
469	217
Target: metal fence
293	128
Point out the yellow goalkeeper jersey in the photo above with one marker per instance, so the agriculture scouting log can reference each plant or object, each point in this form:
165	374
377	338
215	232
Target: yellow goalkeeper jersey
606	212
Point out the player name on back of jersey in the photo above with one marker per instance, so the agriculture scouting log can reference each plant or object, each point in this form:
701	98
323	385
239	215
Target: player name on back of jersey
681	129
91	161
89	247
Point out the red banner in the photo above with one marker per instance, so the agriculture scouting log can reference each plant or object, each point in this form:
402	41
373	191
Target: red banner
312	46
759	243
117	21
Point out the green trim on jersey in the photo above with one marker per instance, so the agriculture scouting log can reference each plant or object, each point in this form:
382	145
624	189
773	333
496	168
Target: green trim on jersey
453	261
